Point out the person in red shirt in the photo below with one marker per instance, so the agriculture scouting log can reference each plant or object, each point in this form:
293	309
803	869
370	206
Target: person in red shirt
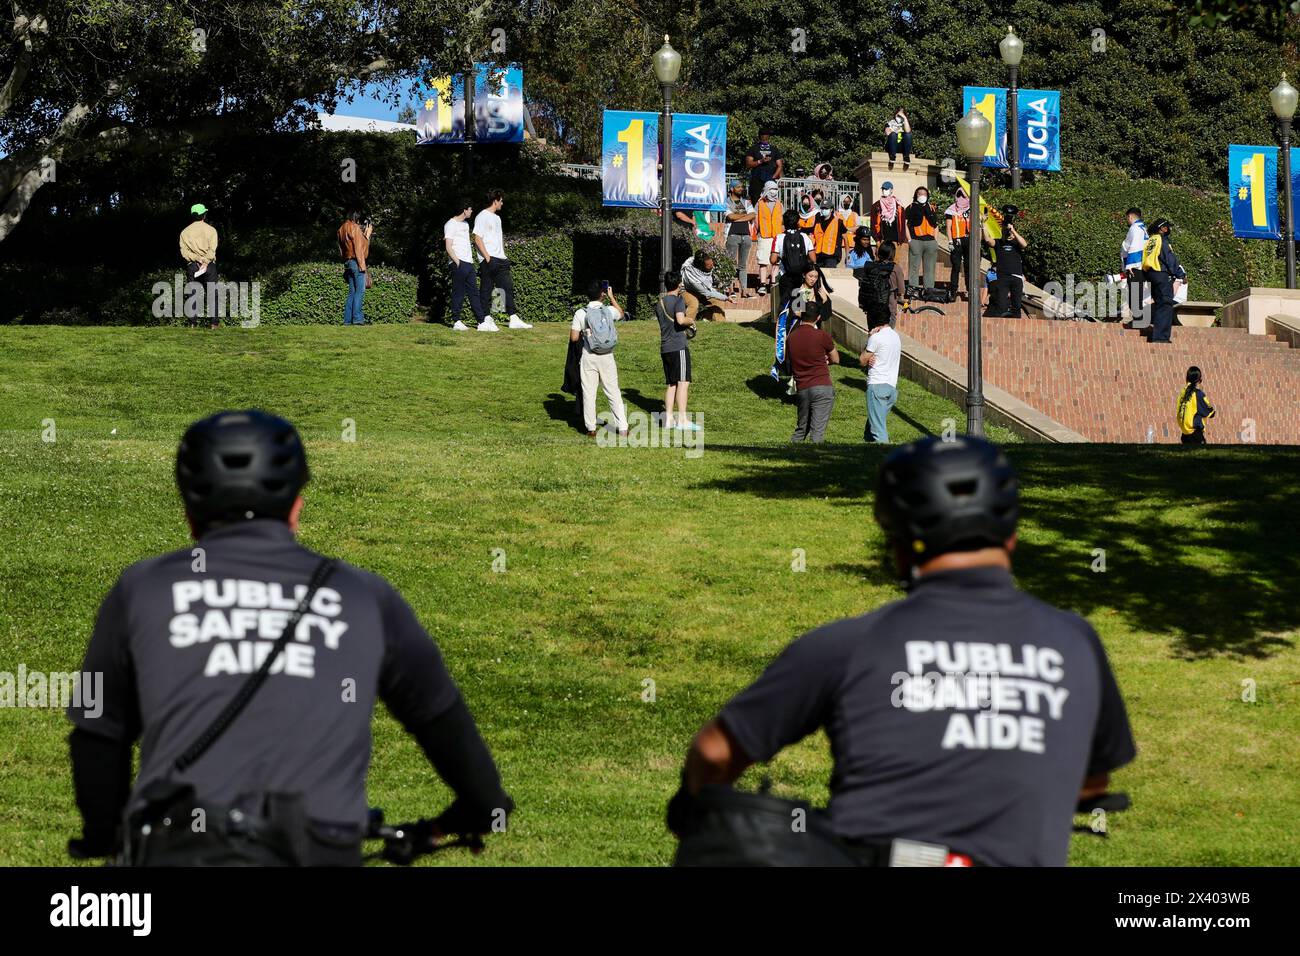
812	352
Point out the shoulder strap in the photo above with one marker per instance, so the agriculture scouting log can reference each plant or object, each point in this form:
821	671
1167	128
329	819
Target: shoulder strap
255	680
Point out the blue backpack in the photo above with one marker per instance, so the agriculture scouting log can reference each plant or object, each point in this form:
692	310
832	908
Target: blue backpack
601	334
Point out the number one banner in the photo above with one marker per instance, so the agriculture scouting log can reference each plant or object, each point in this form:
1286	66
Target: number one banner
992	102
1252	191
629	159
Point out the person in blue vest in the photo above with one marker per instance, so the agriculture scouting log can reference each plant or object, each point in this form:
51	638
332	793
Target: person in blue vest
1162	270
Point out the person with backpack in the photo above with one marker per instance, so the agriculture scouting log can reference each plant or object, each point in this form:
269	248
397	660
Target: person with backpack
881	287
249	678
676	328
1193	410
593	326
791	254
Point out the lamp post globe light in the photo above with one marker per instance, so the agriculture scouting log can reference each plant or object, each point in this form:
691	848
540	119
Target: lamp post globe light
1283	100
1012	49
973	132
667	66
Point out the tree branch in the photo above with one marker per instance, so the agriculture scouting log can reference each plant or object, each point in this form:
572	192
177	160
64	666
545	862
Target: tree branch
28	33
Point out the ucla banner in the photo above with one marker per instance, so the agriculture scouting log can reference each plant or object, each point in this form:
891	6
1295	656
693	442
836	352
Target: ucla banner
1040	129
1252	191
499	104
992	102
441	118
629	159
699	161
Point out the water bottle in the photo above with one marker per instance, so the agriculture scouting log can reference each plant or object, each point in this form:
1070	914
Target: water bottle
1151	434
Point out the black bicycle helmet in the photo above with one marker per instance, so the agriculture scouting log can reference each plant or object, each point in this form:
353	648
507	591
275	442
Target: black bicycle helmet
234	466
936	496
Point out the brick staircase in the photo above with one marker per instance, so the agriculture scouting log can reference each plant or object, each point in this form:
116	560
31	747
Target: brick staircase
1110	384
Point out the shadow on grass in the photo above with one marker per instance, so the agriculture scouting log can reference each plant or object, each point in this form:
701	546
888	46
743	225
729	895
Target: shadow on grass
647	404
1200	550
563	408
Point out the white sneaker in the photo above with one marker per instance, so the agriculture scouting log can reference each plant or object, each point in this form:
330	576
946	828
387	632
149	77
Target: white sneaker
487	325
518	323
460	326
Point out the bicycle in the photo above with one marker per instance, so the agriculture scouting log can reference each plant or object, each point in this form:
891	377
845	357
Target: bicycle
404	843
912	294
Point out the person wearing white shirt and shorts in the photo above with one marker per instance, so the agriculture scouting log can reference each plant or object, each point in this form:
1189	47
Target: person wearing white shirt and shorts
880	359
455	237
494	267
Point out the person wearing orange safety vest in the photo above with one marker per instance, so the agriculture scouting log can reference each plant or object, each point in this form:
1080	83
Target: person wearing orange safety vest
849	221
922	246
828	237
764	228
958	217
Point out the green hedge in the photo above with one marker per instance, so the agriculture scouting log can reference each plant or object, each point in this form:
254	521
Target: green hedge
303	294
552	271
1074	221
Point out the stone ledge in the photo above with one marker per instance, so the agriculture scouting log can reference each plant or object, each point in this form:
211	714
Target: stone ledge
1285	328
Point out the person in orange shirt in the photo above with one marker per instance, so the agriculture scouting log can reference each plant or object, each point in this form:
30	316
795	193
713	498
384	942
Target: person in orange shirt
848	221
922	246
354	247
767	226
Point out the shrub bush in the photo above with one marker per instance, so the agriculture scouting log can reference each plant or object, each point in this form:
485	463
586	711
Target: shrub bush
1074	221
314	292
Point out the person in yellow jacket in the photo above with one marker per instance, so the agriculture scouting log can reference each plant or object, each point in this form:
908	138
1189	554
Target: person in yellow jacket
766	227
1193	410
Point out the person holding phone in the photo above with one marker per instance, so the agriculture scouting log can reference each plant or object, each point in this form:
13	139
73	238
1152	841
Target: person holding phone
1010	284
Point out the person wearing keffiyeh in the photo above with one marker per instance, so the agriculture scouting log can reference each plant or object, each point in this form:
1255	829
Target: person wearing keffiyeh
957	216
887	216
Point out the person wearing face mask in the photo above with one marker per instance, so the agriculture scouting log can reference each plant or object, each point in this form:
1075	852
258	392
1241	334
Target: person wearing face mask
767	225
922	246
740	217
958	217
808	209
887	217
828	234
850	221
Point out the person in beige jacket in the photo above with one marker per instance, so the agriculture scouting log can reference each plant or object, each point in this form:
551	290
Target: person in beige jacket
199	250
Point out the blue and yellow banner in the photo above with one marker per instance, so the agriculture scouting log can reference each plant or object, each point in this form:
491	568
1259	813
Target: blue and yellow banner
699	162
1040	129
441	118
498	107
499	104
992	102
629	159
1252	191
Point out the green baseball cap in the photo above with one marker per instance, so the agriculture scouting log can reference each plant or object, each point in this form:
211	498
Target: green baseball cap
198	209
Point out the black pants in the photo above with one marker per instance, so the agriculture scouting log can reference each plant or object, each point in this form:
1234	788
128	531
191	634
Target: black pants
495	274
463	286
1162	312
1137	295
958	255
1195	438
1007	294
208	280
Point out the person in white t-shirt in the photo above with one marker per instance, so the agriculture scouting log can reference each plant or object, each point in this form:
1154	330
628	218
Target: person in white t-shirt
494	267
455	236
596	369
880	359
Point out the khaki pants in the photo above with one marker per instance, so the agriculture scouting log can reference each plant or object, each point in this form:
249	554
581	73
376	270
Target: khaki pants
600	370
701	311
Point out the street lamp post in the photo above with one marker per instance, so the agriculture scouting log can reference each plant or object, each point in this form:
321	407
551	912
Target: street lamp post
1013	48
1283	100
667	65
973	132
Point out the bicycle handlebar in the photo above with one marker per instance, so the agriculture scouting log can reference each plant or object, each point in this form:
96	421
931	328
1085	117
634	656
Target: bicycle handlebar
404	843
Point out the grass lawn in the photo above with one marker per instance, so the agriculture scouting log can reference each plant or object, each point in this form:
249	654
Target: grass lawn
630	565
